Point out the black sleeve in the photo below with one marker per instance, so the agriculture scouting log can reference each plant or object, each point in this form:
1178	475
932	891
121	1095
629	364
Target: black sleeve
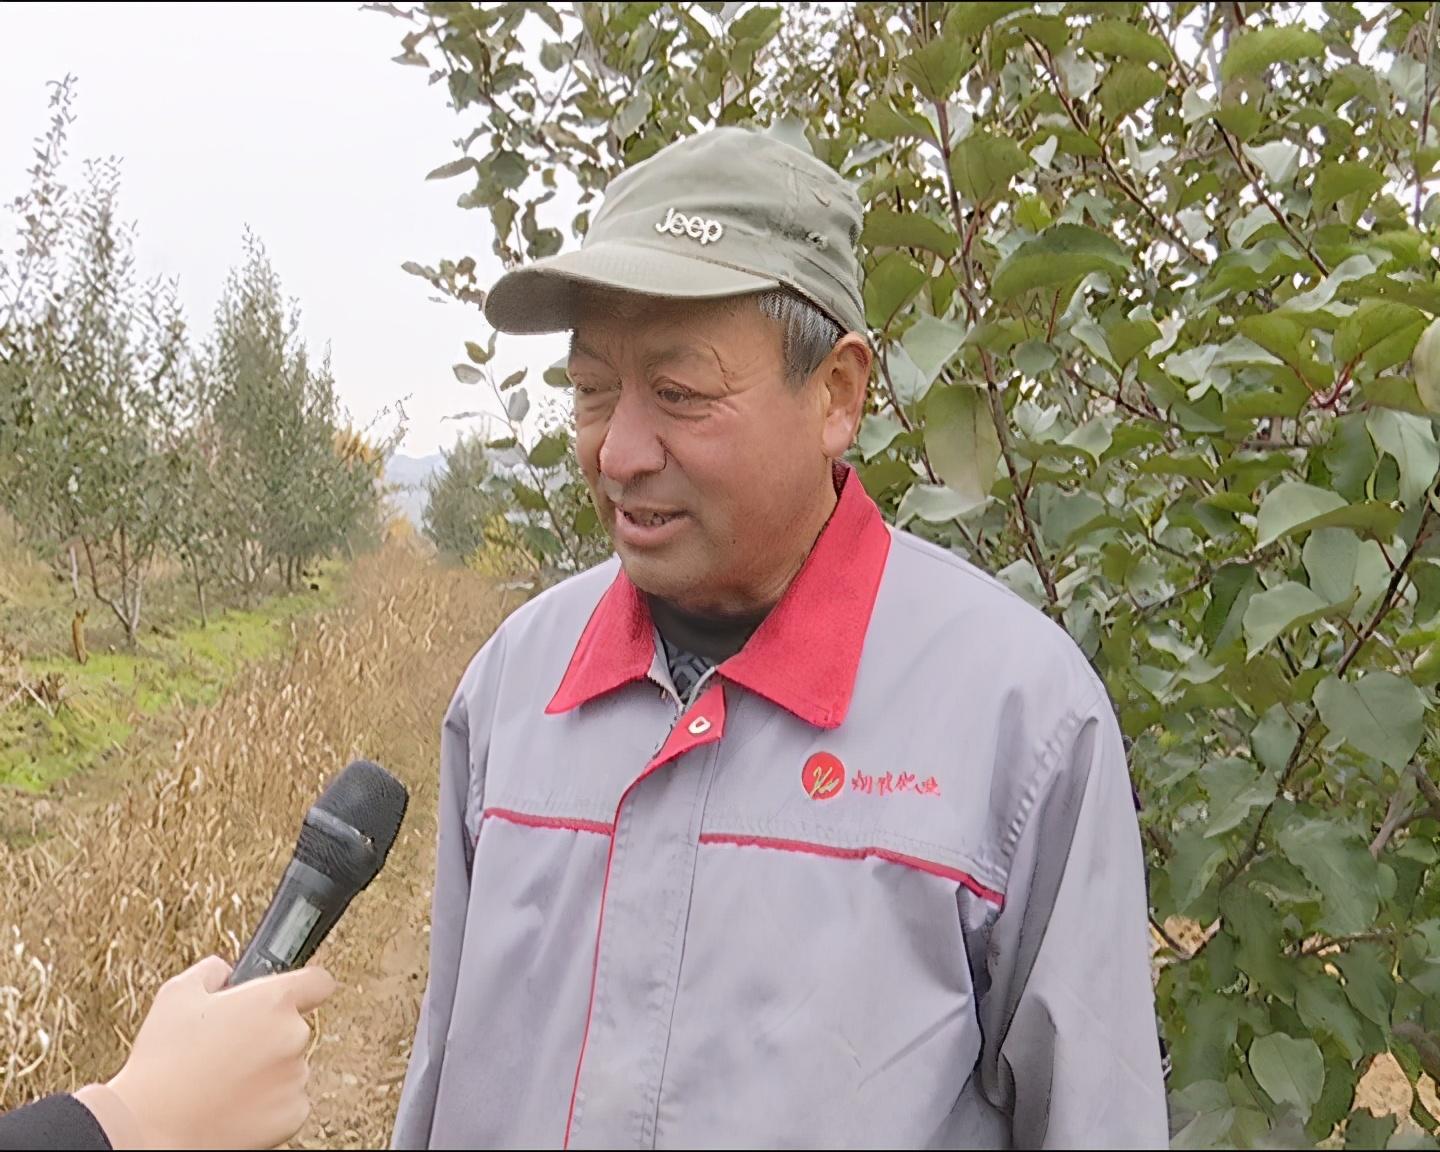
54	1122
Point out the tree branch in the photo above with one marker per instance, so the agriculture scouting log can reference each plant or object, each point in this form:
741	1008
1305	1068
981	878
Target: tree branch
1124	185
1299	753
1428	789
1027	529
1425	113
971	542
895	401
997	407
1115	398
1316	947
1239	158
1395	816
1174	945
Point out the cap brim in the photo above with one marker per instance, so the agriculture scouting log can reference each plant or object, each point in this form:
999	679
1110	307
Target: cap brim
542	297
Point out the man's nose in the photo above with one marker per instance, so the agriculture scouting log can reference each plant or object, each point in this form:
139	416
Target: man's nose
632	447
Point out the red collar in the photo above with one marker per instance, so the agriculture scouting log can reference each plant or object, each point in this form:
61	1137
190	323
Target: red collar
803	657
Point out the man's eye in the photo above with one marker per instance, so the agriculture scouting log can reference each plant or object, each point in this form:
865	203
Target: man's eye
675	395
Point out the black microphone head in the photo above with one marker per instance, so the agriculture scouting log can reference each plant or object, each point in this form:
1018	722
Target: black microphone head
363	799
370	800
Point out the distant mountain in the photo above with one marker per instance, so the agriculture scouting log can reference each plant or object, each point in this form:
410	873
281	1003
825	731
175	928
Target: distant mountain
408	474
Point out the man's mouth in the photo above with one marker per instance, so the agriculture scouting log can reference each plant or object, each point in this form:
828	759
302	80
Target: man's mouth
648	518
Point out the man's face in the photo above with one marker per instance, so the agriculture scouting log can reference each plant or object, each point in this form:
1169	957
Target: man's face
707	467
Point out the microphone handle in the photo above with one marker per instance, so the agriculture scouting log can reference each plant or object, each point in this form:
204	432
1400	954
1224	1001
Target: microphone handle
305	907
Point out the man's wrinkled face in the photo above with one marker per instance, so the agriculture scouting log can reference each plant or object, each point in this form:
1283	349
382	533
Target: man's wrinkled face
709	469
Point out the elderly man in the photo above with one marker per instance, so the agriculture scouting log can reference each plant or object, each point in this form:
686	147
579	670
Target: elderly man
782	828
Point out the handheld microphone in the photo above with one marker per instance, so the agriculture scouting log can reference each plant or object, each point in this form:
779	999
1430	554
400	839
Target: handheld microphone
343	843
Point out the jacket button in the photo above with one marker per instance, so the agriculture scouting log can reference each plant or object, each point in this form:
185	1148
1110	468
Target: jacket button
699	726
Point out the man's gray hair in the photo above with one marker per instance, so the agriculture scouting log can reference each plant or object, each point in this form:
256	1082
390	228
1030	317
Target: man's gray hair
808	333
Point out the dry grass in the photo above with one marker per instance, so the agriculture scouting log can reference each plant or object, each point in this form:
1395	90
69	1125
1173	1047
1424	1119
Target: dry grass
106	900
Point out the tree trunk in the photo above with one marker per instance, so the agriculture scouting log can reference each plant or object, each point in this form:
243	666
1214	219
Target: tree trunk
116	607
74	574
199	591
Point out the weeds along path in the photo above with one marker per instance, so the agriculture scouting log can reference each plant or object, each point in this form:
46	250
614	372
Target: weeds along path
106	902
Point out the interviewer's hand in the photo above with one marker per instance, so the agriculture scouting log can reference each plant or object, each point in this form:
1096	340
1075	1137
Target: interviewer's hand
215	1067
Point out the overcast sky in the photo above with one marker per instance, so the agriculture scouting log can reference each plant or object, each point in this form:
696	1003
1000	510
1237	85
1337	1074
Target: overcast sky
292	119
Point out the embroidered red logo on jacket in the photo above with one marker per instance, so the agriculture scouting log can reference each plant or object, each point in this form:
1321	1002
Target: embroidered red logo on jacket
891	783
823	777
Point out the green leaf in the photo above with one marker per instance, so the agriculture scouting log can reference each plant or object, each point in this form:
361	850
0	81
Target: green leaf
1063	514
1032	213
932	344
1253	51
1410	439
890	286
1230	593
936	68
1273	738
1341	867
1339	179
1235	790
1368	982
1034	357
983	165
1277	611
1331	555
960	440
1251	922
967	21
518	405
1192	865
879	477
509	169
884	227
883	121
1374	322
1380	715
1060	255
549	451
549	15
476	353
587	522
1323	1009
1371	518
527	497
1365	1130
1125	40
633	114
1290	1071
876	434
1427	666
1336	1098
454	168
557	375
758	23
1241	120
934	503
1128	338
1205	1130
1290	507
1093	437
1278	159
1128	87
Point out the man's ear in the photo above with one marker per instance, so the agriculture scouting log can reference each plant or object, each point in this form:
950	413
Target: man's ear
844	377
